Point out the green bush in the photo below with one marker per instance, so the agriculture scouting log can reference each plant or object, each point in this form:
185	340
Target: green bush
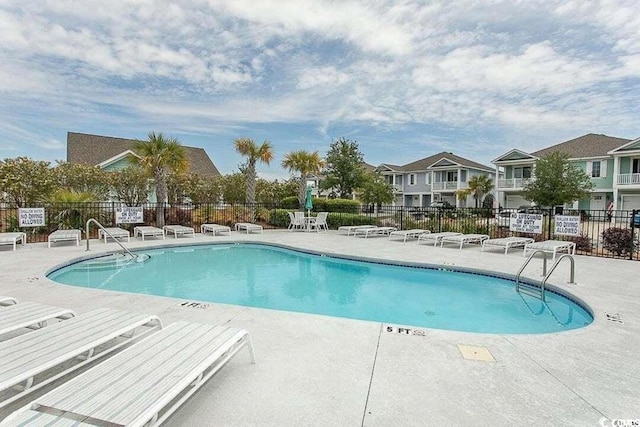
336	205
279	218
336	220
290	202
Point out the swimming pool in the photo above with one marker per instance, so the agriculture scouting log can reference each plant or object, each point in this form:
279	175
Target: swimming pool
265	276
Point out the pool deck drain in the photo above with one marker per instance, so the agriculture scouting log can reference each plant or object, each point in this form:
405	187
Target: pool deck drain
472	352
317	370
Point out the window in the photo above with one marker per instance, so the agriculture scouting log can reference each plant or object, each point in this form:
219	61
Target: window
595	169
635	167
412	179
452	176
427	179
523	172
463	176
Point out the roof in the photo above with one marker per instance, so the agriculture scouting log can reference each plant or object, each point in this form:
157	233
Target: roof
95	149
589	145
427	162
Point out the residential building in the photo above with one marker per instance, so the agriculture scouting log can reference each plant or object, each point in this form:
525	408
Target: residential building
432	179
110	153
611	163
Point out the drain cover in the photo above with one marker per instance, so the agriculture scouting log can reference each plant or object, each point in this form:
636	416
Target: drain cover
429	313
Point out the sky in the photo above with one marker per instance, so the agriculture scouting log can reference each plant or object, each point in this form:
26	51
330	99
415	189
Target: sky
405	79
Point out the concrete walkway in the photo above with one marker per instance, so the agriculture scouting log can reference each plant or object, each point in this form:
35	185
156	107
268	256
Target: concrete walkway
317	370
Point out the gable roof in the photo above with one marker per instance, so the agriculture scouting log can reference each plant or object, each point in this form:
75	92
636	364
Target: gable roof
589	145
514	155
96	149
628	147
431	161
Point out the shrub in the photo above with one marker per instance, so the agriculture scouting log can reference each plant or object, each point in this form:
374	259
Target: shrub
291	202
279	217
583	242
336	220
617	240
336	205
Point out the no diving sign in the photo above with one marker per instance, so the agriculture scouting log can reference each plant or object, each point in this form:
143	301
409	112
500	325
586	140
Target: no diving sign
31	217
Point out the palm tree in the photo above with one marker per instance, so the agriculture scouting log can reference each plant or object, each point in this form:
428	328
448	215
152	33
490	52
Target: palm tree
479	186
264	153
306	163
159	155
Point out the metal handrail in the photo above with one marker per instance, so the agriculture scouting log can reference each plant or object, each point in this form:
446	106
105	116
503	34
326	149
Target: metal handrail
544	266
90	220
553	267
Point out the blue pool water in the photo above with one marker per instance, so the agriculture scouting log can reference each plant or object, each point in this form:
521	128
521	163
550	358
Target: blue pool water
276	278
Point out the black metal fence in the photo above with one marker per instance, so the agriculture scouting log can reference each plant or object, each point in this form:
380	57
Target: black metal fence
599	234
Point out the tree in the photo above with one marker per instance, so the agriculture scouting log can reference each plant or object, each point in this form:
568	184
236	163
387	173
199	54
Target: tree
254	153
344	168
25	180
305	163
479	186
557	181
158	156
462	194
234	188
82	179
202	189
131	185
376	190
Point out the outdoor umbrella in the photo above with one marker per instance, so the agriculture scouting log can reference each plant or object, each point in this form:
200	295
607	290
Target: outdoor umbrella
309	202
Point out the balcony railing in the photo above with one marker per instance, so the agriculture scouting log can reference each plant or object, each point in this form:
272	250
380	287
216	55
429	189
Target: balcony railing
628	179
513	182
448	185
397	188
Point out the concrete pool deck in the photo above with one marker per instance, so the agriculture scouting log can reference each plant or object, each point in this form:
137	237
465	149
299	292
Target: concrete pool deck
318	370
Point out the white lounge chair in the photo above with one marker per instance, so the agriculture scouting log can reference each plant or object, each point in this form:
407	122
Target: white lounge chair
349	229
144	384
506	243
375	231
464	239
114	233
64	235
215	229
13	239
27	360
179	230
319	222
551	246
7	300
436	237
30	315
414	233
248	227
147	230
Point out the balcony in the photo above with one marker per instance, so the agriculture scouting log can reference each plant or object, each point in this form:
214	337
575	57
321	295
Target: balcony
448	185
397	188
514	183
628	179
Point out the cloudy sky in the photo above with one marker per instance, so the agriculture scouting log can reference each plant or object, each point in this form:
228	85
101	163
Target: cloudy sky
404	79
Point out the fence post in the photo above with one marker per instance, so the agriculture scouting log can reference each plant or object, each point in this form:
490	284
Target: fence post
633	226
402	217
549	224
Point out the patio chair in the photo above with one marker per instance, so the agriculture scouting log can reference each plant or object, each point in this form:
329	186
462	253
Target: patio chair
30	315
375	231
414	233
349	229
13	239
7	300
506	243
551	246
319	222
147	230
464	239
295	222
31	361
144	384
114	233
436	237
64	235
248	227
179	230
214	229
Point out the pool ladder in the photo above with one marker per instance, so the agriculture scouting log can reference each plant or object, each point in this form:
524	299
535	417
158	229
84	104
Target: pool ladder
538	291
95	221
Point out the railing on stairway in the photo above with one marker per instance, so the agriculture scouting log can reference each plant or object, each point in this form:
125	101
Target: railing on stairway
539	291
104	230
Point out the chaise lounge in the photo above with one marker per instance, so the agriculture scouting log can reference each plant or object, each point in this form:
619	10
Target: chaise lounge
349	229
414	233
30	315
148	231
436	237
506	243
464	239
64	235
114	233
248	227
375	231
179	230
551	246
13	239
215	229
144	384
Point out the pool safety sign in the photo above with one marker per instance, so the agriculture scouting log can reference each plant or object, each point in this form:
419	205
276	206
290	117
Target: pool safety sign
526	223
127	215
567	225
31	217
